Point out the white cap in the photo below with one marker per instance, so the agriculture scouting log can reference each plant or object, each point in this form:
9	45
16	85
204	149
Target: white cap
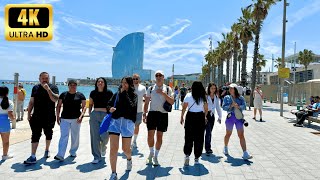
233	85
159	72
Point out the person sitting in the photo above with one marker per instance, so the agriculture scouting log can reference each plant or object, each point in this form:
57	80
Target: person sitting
309	111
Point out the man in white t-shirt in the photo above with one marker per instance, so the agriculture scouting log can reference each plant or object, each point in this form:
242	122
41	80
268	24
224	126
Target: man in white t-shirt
157	118
141	92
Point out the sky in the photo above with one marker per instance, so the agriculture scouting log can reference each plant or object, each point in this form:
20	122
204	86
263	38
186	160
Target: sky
176	32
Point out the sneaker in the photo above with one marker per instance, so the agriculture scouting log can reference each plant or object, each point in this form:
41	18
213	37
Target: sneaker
186	161
294	124
9	156
114	176
59	158
73	155
254	118
46	154
30	160
129	165
95	161
155	161
225	151
196	161
260	119
103	153
149	160
299	125
246	156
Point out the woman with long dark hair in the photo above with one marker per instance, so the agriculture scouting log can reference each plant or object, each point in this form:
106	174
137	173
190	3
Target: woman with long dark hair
123	107
196	120
213	105
6	113
231	104
98	101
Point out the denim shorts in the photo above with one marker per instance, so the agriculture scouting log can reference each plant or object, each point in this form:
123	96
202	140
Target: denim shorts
231	121
122	126
4	123
139	118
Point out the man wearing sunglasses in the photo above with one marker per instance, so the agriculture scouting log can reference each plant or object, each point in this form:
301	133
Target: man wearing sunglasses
141	92
157	118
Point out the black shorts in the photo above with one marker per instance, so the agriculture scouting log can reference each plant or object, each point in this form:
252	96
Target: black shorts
157	121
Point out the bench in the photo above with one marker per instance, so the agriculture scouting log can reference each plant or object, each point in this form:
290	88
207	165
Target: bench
313	119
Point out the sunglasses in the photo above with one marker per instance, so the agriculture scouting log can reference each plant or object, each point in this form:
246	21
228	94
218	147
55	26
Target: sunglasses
135	79
158	75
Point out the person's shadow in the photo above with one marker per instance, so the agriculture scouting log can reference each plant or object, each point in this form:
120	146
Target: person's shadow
89	167
55	164
135	152
125	176
21	167
196	170
237	161
155	172
211	158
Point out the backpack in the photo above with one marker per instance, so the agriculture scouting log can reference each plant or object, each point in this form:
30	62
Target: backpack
248	92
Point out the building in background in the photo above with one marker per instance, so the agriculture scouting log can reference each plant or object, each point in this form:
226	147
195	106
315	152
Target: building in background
263	78
127	57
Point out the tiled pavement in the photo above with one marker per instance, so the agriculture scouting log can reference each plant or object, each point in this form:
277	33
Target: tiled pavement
280	151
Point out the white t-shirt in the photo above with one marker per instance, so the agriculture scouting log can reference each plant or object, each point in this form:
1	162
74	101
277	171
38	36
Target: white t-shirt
140	91
158	100
192	103
10	108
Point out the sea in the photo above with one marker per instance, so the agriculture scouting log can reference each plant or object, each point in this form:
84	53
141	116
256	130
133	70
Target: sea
62	88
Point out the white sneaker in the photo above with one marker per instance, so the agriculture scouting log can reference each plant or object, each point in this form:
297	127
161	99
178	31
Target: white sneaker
129	165
246	155
149	160
9	156
95	161
155	161
225	150
196	161
186	161
134	145
103	151
114	176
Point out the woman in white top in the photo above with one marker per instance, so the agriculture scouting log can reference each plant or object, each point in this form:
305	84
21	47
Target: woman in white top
257	102
6	113
196	120
213	104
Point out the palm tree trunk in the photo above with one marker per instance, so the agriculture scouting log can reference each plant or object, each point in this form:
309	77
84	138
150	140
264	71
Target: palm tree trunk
244	65
234	66
228	70
306	72
258	78
255	59
221	73
239	73
213	73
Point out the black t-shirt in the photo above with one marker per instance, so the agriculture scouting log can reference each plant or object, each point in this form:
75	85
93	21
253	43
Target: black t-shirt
100	99
43	106
183	91
71	104
126	105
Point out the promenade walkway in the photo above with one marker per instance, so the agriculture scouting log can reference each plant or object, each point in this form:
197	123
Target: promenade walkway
280	151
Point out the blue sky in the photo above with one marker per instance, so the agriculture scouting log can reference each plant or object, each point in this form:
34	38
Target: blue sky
176	32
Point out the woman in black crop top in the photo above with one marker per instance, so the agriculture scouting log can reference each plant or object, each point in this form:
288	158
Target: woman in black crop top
123	107
99	99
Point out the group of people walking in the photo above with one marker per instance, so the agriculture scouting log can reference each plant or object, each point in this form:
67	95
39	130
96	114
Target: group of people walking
131	104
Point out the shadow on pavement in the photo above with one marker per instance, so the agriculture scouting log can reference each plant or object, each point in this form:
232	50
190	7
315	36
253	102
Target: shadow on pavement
89	167
211	158
135	152
273	109
21	167
196	170
155	172
125	176
237	161
55	164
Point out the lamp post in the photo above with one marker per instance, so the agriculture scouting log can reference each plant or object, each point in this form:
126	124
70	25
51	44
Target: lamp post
285	4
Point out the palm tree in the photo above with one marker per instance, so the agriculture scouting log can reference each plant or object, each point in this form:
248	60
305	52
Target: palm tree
228	53
261	63
236	47
220	59
205	72
278	61
245	29
239	60
259	14
306	57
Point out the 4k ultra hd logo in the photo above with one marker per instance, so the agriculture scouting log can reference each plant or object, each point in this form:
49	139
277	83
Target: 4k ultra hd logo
28	22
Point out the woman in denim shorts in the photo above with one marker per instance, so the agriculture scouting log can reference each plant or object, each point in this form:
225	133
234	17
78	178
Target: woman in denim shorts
122	123
230	102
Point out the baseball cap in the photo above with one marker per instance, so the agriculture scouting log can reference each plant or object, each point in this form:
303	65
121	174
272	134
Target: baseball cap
72	81
233	85
159	72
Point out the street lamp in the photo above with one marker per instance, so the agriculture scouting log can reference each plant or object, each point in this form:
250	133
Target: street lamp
285	4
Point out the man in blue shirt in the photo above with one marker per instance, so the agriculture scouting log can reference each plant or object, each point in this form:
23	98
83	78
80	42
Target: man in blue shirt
311	111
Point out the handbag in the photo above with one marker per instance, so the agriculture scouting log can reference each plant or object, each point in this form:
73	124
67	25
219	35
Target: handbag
237	112
104	126
166	105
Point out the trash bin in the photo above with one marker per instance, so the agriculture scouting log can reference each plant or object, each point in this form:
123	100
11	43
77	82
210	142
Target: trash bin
285	97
